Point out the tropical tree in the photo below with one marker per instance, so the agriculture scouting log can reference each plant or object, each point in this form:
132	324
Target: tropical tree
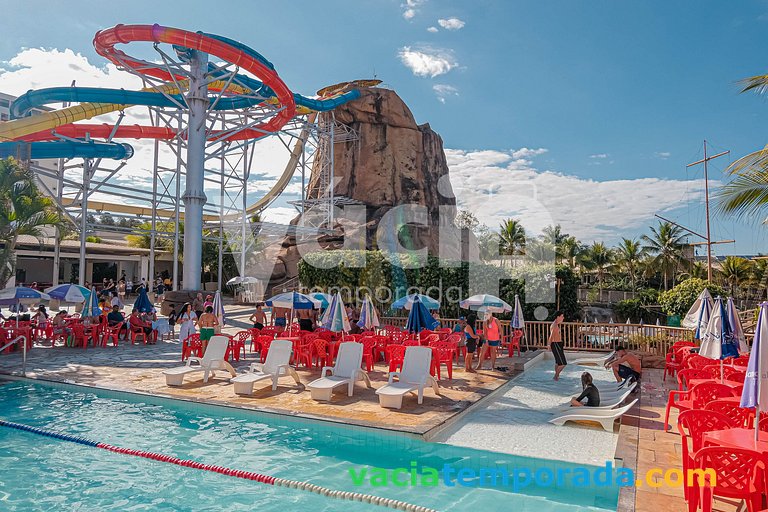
600	259
734	271
665	245
24	210
571	251
629	254
511	237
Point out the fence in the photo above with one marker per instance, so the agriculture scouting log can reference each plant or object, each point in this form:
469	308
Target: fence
603	296
648	339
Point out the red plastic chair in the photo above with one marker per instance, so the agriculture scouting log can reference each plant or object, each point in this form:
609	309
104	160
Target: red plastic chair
319	352
411	343
692	425
80	336
696	398
264	342
191	346
395	356
741	416
514	342
370	344
737	377
111	333
135	331
696	361
254	335
741	361
442	353
235	346
738	475
687	374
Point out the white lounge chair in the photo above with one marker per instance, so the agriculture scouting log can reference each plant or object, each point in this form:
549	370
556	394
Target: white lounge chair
212	360
346	371
275	366
608	395
605	417
608	400
414	377
593	361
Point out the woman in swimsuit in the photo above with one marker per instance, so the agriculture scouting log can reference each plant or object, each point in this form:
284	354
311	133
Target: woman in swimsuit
589	391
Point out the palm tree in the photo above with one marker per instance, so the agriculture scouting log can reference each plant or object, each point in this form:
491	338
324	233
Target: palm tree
734	271
511	237
24	210
570	250
599	258
629	253
666	246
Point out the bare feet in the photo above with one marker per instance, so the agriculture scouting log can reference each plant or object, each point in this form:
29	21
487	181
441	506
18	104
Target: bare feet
470	370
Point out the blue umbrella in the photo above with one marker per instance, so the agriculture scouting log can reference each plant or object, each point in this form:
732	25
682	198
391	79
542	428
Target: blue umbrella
68	293
408	300
420	318
517	321
91	306
324	298
697	317
335	318
719	340
22	295
143	304
369	318
293	300
755	393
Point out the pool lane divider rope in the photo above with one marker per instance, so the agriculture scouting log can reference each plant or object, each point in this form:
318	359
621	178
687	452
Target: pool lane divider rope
247	475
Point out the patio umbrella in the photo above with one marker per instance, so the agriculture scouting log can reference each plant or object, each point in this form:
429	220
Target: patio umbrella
629	321
517	321
369	318
419	318
697	317
735	321
142	303
610	320
218	308
17	296
407	301
324	298
335	318
719	341
755	392
242	280
489	303
91	306
69	293
293	301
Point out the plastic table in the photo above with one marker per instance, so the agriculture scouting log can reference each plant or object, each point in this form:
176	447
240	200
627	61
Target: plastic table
737	438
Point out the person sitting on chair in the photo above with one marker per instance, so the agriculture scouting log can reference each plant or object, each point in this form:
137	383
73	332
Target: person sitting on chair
138	323
589	391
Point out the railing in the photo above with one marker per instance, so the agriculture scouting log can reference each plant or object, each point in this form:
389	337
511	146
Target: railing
23	340
648	339
603	296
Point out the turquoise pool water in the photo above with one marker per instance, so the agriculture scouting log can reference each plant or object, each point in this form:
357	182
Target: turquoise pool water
40	473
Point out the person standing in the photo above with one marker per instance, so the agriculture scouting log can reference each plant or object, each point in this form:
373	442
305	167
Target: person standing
186	321
492	331
207	324
121	291
556	344
258	317
160	292
468	328
197	305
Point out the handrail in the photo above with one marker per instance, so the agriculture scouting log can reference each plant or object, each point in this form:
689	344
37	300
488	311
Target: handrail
23	350
16	340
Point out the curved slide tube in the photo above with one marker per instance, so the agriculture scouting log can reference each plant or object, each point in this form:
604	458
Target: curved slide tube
67	149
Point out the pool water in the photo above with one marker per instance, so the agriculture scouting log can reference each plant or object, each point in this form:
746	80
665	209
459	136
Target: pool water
41	473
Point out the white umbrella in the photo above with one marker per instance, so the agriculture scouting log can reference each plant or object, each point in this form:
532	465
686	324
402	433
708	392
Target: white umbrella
517	321
629	321
369	318
755	393
218	308
489	303
698	316
718	341
335	318
242	280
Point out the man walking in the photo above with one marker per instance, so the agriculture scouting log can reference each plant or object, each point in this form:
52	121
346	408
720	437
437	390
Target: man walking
556	344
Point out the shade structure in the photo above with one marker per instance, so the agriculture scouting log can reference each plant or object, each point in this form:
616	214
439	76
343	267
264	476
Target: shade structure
755	392
697	317
369	318
335	318
218	307
142	303
242	280
91	306
517	321
69	293
719	340
324	298
293	300
489	303
420	318
407	301
22	295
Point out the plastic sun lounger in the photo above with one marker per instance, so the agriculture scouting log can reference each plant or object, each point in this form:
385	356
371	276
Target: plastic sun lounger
346	371
414	377
596	361
605	417
608	400
212	360
275	366
618	392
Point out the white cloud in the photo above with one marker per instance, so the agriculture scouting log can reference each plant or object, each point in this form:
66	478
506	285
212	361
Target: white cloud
444	91
279	214
451	23
427	61
411	8
501	184
600	156
663	154
432	29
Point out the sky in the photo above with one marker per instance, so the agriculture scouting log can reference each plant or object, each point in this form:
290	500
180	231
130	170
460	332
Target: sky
582	113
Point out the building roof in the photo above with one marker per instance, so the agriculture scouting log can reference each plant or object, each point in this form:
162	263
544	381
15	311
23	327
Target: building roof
30	242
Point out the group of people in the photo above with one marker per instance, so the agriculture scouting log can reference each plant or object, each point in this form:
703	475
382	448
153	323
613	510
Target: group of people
487	341
194	316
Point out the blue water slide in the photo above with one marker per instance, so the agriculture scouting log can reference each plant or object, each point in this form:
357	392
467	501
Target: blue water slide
66	149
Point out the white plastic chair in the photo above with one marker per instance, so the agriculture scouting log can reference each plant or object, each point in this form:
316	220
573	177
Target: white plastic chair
346	371
415	376
275	366
212	360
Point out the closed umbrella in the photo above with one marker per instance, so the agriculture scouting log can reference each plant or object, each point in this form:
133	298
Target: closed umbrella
142	303
91	306
719	341
369	318
736	327
629	321
420	318
697	317
755	392
407	301
218	308
517	321
335	318
489	303
324	298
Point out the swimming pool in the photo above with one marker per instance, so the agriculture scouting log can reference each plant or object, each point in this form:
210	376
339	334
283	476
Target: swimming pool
41	473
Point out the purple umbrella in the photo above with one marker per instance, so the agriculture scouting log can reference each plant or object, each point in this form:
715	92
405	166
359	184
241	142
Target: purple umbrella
755	393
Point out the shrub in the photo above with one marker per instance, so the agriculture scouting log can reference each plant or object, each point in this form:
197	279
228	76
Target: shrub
679	299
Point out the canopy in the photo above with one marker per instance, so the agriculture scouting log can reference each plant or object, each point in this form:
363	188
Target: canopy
517	321
697	317
489	303
69	293
293	300
420	318
408	300
22	295
755	392
142	303
335	318
218	308
369	318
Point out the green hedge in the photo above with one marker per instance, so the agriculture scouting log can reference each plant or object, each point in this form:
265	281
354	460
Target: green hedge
679	299
350	271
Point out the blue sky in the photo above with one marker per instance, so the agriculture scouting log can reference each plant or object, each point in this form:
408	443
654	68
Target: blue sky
619	93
